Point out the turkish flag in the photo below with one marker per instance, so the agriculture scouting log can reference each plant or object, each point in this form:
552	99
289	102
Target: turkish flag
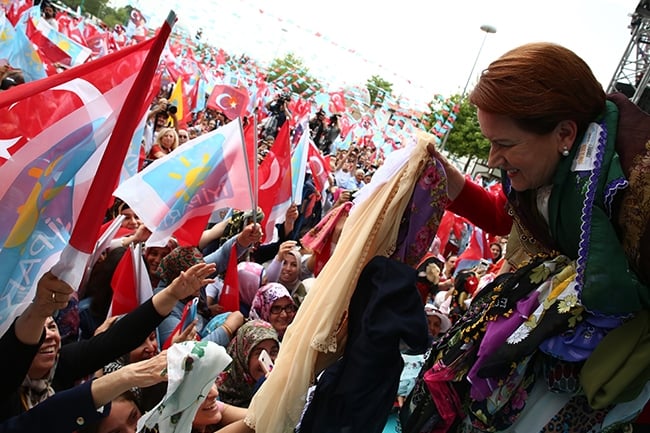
274	190
229	297
231	101
320	168
337	102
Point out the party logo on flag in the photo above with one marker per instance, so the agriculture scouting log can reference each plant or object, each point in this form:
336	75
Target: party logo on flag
190	181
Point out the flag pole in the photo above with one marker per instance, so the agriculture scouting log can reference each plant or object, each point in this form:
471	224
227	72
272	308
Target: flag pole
251	185
255	171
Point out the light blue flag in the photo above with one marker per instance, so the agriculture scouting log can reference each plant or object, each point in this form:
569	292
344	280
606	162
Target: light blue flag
299	165
18	51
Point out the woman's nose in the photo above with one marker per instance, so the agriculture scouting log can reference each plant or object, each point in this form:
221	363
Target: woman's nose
495	159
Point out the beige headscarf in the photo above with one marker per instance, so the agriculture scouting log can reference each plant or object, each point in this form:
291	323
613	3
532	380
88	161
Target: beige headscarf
310	341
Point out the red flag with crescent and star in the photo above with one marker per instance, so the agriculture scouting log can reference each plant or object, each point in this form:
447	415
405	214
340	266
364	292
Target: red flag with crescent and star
320	168
274	191
231	101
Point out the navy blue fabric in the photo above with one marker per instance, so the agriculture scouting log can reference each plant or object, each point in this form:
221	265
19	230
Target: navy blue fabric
357	392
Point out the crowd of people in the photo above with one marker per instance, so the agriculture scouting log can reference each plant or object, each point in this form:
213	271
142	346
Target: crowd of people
546	331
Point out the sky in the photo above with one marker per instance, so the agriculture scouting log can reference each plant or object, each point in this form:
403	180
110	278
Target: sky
422	47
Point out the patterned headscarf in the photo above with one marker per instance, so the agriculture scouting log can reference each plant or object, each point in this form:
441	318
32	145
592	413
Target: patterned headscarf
192	367
236	385
34	391
264	299
250	279
180	259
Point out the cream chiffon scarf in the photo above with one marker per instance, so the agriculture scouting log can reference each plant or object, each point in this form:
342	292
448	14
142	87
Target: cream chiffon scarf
310	343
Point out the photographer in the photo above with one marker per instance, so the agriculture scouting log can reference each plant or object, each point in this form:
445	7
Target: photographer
279	113
332	132
317	128
162	115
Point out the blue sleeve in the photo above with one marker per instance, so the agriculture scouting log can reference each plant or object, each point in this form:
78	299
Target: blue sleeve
219	336
168	324
64	412
220	257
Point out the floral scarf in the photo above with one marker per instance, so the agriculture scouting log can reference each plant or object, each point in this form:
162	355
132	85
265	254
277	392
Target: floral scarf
264	299
236	385
178	260
34	391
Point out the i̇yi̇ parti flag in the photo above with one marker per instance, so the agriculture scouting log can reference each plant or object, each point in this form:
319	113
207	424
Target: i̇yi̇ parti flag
19	52
62	142
200	176
299	165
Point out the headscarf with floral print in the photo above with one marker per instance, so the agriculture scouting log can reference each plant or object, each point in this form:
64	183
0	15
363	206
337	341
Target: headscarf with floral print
236	385
178	260
264	299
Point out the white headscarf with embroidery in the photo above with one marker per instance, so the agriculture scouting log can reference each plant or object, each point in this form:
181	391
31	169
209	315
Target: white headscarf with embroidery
192	367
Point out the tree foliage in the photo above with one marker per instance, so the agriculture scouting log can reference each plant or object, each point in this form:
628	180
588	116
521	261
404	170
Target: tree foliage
100	9
376	86
291	71
466	139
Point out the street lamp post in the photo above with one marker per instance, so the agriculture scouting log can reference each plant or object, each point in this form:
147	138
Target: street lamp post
487	29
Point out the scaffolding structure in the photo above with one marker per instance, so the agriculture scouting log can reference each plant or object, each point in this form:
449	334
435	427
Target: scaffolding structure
632	76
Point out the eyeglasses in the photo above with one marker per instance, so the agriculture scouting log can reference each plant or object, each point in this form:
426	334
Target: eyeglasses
183	136
289	309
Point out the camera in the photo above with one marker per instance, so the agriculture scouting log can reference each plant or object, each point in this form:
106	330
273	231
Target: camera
170	109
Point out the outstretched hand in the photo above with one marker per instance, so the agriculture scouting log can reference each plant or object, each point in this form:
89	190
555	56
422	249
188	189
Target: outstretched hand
190	281
455	178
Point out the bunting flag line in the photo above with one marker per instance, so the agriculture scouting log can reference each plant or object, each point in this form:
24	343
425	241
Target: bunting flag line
59	168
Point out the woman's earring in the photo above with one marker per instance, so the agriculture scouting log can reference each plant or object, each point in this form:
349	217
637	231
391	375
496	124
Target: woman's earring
565	151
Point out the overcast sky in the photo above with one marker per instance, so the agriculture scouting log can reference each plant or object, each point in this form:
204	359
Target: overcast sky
422	47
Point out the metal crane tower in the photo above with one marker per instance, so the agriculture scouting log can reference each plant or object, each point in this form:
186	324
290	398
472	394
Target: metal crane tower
632	76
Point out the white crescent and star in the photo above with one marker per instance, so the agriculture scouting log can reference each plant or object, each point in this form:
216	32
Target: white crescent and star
232	103
86	91
316	161
274	174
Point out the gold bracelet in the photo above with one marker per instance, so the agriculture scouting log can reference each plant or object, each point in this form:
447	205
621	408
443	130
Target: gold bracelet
228	330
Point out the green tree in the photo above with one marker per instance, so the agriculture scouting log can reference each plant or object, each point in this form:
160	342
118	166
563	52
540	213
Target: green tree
466	139
294	74
378	88
101	10
116	16
97	8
